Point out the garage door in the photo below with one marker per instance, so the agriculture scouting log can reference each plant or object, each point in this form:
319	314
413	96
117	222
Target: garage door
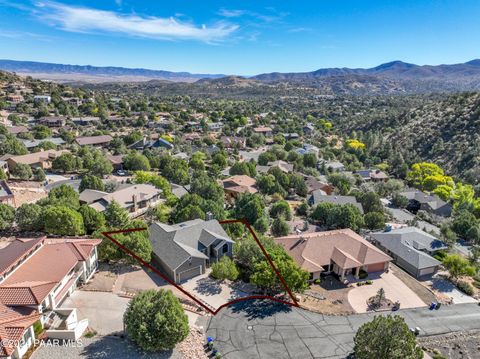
189	273
377	267
426	271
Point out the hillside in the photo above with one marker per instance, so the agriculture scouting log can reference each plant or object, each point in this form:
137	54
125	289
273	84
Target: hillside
87	73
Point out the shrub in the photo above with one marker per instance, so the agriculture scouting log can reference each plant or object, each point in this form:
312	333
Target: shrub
225	268
362	274
37	328
465	287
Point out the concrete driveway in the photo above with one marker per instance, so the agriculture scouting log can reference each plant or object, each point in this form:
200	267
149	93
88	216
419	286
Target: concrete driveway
448	288
104	311
394	288
211	291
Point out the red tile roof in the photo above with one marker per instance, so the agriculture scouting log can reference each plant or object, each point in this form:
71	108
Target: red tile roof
30	283
345	247
13	324
10	255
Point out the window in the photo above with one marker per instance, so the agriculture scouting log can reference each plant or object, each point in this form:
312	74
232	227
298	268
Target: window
225	248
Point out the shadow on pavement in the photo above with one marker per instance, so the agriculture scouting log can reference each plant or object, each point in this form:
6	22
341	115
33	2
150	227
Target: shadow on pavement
259	309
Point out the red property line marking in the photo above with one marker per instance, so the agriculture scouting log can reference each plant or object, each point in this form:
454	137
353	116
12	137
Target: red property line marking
195	299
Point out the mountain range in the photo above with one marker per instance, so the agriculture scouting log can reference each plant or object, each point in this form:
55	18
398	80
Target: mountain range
389	78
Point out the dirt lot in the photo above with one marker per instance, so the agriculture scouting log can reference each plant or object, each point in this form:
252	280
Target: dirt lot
328	297
460	345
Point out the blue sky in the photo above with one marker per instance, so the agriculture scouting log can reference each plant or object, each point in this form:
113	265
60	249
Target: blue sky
240	37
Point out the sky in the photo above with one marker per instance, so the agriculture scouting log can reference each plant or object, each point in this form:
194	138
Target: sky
240	37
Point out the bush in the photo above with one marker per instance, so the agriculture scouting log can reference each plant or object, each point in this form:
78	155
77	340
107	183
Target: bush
37	328
225	268
362	274
465	287
440	255
155	320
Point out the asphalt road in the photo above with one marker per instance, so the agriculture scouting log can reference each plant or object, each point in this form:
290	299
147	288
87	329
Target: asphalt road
261	329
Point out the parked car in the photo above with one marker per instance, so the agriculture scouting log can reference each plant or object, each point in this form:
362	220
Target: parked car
121	173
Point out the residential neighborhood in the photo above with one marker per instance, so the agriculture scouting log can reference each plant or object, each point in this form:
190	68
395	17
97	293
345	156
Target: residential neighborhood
131	216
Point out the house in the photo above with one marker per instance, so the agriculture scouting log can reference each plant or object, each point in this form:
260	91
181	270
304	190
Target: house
85	121
284	166
214	126
372	175
53	121
98	141
148	144
308	129
42	98
318	197
6	194
178	190
342	252
235	185
193	125
15	130
233	142
136	199
30	144
15	98
333	166
266	131
42	159
291	136
36	275
116	161
185	250
418	200
313	184
411	248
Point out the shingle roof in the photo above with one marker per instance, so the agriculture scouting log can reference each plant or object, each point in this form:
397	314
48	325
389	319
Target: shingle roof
93	140
240	184
37	157
124	196
319	197
407	249
174	244
433	201
345	247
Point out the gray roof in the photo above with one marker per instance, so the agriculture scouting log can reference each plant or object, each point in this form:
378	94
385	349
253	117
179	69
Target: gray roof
175	244
407	249
123	196
319	197
178	190
91	195
433	201
34	143
417	238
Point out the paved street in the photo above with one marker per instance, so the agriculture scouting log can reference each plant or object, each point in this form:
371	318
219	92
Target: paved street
261	329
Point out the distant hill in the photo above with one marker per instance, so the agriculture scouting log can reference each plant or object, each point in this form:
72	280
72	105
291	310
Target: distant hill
394	77
87	73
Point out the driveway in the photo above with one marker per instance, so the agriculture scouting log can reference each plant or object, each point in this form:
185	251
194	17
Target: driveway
448	288
211	291
262	329
104	311
394	288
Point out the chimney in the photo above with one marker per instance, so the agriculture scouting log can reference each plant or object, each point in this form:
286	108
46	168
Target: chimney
209	216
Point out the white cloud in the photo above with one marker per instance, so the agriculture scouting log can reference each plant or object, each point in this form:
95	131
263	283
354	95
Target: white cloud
83	19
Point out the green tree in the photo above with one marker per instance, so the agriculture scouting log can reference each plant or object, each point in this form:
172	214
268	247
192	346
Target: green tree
116	216
220	160
458	266
62	195
92	220
22	171
280	227
155	320
135	161
39	174
3	175
386	337
399	201
197	161
225	268
66	162
63	221
91	182
341	182
41	131
7	216
29	217
374	220
281	209
463	220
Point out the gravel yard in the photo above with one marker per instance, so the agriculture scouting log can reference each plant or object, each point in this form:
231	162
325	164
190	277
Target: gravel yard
457	345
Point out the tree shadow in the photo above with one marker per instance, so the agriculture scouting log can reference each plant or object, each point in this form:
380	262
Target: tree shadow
114	347
259	308
208	286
